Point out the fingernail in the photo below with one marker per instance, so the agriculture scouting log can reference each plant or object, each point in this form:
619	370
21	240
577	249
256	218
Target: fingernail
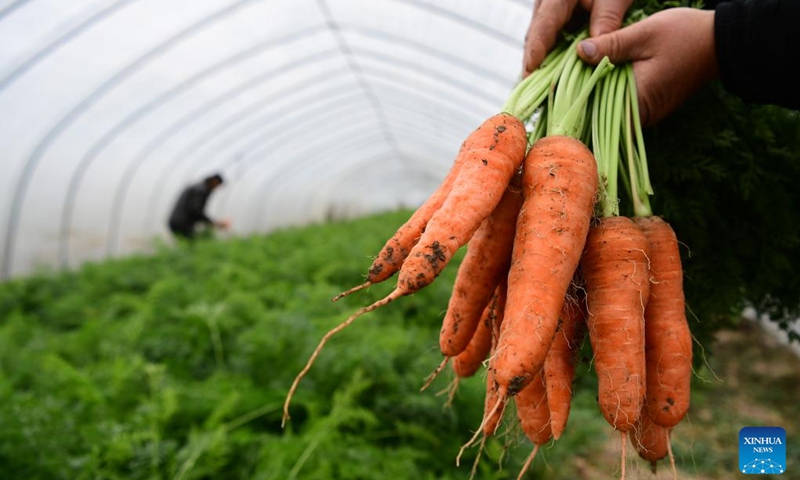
588	48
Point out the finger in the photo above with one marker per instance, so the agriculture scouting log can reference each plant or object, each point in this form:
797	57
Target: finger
548	18
607	16
626	44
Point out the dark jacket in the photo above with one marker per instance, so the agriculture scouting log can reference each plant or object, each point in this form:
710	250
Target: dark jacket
190	209
758	46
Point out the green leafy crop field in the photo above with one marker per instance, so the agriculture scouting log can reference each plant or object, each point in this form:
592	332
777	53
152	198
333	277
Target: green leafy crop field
176	366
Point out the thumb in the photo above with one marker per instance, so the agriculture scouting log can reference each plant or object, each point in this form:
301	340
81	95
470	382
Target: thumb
626	44
606	16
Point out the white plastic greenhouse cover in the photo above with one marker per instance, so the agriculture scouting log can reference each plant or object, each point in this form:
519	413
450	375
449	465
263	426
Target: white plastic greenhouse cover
310	109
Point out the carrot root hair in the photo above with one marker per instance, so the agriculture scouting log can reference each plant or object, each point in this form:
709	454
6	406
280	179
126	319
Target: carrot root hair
386	300
501	401
434	374
450	390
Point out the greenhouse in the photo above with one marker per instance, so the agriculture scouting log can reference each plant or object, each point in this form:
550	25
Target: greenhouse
189	184
307	107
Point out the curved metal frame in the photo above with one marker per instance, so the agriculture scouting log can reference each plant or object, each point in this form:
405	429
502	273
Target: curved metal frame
46	141
435	169
11	7
234	161
61	125
58	42
207	135
270	139
372	34
144	154
130	172
117	130
304	158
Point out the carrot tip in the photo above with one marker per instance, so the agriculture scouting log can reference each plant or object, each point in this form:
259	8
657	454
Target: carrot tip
501	401
528	462
351	290
624	441
477	459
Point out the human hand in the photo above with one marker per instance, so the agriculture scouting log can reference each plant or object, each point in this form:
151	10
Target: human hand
673	55
551	16
223	224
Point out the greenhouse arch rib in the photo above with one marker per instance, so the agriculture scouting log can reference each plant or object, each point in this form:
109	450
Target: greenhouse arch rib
263	141
207	135
165	134
443	12
244	133
77	110
267	137
130	172
58	42
351	170
11	7
270	134
127	178
212	133
49	138
115	131
281	179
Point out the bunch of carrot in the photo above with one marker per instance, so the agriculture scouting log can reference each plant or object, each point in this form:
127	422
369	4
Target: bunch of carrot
550	261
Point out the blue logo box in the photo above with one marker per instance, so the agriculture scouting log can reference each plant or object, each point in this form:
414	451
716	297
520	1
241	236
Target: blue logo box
762	450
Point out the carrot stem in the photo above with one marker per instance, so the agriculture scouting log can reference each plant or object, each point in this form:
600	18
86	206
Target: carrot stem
639	207
571	123
540	127
637	163
607	140
637	124
529	93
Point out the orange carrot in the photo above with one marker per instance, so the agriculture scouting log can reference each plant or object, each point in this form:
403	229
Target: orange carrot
391	257
650	440
559	366
615	270
466	363
668	341
483	178
498	148
485	263
396	249
494	406
559	186
533	413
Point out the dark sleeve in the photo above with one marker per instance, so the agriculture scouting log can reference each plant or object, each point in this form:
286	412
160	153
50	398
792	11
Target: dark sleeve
196	205
758	44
